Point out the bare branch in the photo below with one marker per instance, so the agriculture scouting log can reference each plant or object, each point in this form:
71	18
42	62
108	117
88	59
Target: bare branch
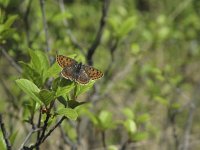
28	137
51	130
5	136
99	33
11	60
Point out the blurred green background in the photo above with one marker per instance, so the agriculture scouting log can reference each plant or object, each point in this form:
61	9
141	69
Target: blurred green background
149	53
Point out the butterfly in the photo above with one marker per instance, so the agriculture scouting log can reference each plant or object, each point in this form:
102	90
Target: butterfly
77	72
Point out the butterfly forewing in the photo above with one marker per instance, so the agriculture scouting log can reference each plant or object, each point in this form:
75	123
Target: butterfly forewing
65	61
92	72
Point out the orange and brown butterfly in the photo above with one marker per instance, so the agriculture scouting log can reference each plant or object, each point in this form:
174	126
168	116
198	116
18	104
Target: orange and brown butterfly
77	72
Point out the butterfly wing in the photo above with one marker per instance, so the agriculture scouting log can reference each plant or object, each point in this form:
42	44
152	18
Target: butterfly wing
83	78
68	73
92	72
65	61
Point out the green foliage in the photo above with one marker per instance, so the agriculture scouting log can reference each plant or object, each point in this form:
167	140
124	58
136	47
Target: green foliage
68	112
2	142
5	26
30	89
46	96
149	52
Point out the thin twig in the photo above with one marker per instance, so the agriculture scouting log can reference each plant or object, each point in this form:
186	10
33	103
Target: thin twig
97	40
39	123
42	5
28	137
5	135
11	60
51	130
103	139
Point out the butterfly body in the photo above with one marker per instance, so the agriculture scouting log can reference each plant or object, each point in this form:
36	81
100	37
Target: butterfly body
77	72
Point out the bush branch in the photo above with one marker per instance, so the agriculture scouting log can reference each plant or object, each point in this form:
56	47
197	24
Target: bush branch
5	136
99	33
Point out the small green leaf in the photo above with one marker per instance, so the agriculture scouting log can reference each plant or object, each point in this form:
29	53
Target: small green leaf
139	136
143	118
106	119
29	88
10	21
128	113
53	71
130	126
84	88
30	73
39	61
161	100
2	143
126	26
46	96
35	61
64	90
68	112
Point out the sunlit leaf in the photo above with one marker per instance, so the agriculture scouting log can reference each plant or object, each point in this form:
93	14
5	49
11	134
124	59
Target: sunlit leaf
128	113
29	88
68	112
84	88
130	126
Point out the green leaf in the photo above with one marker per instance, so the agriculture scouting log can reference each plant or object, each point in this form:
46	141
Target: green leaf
2	143
46	96
64	90
106	120
6	26
143	118
84	88
139	136
68	112
161	100
10	21
53	71
30	73
39	61
30	89
128	113
130	126
126	26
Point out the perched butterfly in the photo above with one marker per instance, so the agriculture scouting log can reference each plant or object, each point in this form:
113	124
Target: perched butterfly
77	71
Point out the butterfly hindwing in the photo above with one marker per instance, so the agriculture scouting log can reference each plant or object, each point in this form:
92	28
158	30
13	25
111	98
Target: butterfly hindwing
68	73
83	78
